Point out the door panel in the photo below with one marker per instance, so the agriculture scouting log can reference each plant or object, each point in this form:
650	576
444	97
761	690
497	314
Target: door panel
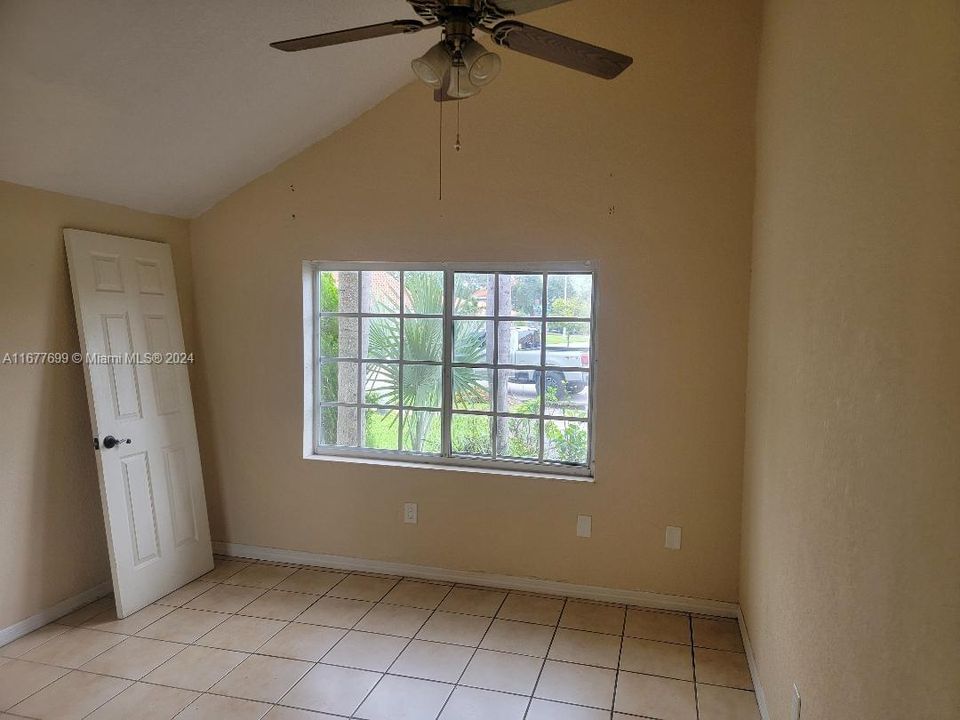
123	377
183	510
149	277
151	486
141	508
106	271
166	384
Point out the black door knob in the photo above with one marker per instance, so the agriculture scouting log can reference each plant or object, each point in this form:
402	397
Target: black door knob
110	442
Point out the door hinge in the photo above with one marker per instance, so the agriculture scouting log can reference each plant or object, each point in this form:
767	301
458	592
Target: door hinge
96	443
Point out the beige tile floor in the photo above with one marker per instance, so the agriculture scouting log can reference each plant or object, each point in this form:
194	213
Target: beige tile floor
282	642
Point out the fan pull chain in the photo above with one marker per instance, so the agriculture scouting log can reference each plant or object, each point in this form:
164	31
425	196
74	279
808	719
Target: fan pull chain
457	145
440	143
459	100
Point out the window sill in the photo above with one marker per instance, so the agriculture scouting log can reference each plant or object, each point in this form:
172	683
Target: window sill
452	467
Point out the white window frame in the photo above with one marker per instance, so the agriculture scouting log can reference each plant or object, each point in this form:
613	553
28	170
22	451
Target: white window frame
313	450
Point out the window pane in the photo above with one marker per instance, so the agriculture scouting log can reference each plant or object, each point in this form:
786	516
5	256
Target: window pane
518	438
338	426
423	339
521	295
338	382
471	434
338	291
423	292
422	385
421	431
382	380
381	291
381	383
518	392
381	338
518	343
473	341
472	388
473	293
568	394
566	441
381	431
568	343
569	295
338	337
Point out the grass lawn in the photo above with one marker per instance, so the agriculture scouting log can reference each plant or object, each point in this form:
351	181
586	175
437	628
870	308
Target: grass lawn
470	433
573	341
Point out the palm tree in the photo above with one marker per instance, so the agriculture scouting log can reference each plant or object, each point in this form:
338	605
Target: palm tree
423	341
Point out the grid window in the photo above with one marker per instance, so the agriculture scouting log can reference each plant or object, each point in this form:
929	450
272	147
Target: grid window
488	367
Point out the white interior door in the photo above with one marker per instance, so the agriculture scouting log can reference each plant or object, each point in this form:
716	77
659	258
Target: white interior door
142	415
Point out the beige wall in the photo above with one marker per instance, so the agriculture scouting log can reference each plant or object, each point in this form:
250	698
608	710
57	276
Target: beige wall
52	542
850	579
651	175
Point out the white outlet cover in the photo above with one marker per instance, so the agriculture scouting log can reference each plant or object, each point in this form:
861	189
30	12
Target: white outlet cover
584	526
673	538
410	513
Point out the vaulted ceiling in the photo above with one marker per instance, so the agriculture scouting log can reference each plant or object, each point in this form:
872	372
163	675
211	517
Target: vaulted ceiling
170	106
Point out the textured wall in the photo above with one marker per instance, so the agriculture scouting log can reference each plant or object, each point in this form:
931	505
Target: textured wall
850	579
651	175
52	541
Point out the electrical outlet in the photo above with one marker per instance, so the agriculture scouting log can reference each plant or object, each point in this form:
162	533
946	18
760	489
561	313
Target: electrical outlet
410	513
584	525
795	708
672	541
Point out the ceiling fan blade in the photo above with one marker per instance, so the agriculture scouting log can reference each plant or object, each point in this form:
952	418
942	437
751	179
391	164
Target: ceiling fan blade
560	49
518	7
346	36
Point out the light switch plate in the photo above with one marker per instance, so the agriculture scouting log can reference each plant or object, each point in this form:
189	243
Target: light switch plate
584	526
410	513
673	537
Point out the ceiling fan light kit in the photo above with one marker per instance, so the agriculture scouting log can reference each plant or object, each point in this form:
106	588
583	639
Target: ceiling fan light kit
482	65
464	68
458	66
433	65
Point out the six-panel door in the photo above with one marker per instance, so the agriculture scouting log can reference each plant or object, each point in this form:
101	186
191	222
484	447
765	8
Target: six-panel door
139	393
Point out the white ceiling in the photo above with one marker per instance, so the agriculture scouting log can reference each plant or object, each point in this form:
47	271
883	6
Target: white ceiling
170	105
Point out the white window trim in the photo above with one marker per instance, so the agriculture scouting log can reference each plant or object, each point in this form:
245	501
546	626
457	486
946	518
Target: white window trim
518	468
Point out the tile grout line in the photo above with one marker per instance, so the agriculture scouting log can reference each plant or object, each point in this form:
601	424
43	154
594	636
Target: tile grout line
287	623
409	641
37	690
347	631
71	669
232	614
78	669
616	678
254	652
314	663
474	653
186	645
110	699
693	660
546	655
381	602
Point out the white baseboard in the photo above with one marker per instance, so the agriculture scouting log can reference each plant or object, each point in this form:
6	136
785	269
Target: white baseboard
754	671
64	607
507	582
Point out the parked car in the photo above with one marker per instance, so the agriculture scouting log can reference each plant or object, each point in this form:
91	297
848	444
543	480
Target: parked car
525	346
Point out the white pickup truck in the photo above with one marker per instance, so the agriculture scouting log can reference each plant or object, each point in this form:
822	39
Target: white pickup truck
525	349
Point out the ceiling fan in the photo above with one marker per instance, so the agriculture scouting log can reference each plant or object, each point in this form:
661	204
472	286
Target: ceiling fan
458	66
